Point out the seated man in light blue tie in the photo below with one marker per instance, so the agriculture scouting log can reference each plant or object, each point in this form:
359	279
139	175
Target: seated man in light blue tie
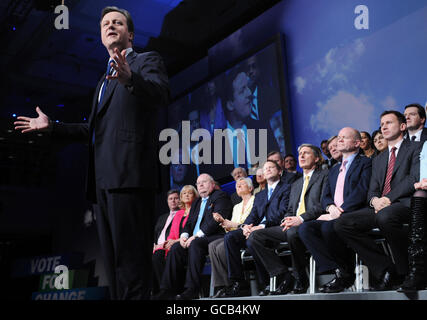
268	210
200	230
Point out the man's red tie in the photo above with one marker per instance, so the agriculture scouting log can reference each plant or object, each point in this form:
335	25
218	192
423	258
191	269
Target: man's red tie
387	187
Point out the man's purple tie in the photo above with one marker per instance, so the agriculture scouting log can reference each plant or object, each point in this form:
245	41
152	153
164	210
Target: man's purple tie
339	189
391	162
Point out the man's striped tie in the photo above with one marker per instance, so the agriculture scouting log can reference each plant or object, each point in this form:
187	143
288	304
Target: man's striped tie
387	187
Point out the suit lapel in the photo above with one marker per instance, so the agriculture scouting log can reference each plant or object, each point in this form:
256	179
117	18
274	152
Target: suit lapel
298	186
95	98
275	191
400	156
350	171
381	167
313	179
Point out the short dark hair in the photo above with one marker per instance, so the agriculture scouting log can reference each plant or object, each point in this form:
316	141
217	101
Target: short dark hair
129	21
375	133
231	75
172	191
271	153
398	115
420	108
290	155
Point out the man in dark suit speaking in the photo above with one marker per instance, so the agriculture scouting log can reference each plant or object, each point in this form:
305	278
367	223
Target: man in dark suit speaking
122	157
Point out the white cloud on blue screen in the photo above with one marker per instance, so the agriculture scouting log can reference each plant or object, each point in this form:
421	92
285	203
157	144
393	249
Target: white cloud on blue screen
341	110
299	83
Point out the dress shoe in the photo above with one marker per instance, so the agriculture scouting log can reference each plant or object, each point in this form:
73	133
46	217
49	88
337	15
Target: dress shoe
341	282
164	295
413	283
285	286
236	290
264	292
300	286
388	280
220	293
188	294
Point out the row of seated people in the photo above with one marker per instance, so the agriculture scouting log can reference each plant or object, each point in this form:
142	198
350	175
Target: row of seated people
324	211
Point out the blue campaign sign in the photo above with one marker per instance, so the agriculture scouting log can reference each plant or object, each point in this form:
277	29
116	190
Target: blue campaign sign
94	293
45	264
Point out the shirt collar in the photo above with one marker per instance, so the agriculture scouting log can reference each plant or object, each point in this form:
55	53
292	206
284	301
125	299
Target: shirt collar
308	174
273	186
397	145
128	50
417	134
349	160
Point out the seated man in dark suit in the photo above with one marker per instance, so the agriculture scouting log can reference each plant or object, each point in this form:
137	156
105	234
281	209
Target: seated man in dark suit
415	121
333	150
346	190
304	205
285	176
161	232
268	209
199	231
394	173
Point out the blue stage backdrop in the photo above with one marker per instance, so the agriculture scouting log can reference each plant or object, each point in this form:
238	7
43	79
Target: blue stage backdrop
338	74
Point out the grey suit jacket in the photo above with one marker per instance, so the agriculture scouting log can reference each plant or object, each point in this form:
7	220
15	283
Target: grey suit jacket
313	195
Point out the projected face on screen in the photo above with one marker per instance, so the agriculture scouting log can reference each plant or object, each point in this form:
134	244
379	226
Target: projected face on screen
241	104
245	96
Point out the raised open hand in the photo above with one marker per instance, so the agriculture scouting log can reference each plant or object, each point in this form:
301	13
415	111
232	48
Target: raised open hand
123	73
26	124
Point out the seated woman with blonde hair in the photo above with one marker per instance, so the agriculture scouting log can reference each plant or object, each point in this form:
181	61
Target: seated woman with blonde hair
244	188
187	196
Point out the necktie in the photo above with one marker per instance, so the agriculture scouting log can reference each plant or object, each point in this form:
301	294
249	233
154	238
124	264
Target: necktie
254	109
339	188
199	219
390	167
413	138
270	192
301	207
162	237
104	85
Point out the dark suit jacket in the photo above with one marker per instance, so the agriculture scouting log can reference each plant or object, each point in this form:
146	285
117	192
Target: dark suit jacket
273	209
124	155
356	184
159	227
405	173
289	177
218	201
312	198
423	135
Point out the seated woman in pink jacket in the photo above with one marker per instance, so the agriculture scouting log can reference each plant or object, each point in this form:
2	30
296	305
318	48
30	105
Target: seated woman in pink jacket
187	196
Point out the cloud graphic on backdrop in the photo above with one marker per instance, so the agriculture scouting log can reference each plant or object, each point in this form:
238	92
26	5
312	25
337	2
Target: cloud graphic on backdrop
341	110
300	83
337	62
389	103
